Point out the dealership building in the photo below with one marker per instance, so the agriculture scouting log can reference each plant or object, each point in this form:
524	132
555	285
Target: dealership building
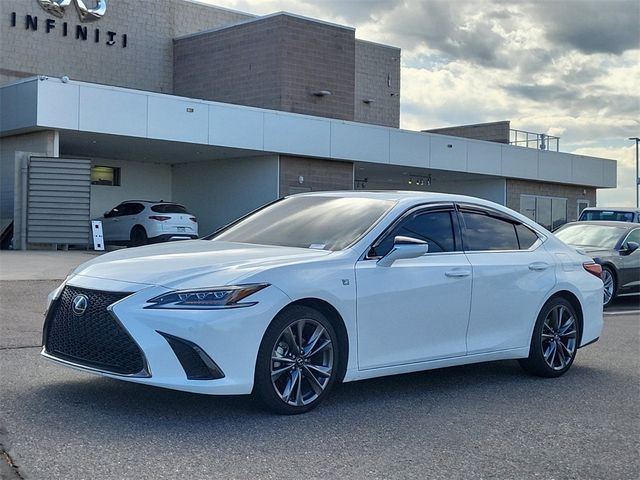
224	111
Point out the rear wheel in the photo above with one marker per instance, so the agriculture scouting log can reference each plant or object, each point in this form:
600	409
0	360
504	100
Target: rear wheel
297	361
138	236
610	285
555	340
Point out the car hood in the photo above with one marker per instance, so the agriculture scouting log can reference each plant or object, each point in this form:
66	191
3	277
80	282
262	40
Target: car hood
192	263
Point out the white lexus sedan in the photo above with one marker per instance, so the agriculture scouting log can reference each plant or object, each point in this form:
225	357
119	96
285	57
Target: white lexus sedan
329	287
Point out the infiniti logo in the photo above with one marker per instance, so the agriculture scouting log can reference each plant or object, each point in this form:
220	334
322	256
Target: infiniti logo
57	8
79	304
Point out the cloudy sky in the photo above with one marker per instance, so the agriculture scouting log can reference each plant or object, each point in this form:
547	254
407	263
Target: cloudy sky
569	68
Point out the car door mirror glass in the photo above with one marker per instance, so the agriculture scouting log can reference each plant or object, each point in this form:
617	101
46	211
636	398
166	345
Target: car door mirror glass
404	247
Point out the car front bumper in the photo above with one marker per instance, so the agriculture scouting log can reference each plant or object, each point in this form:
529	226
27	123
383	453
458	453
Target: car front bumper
230	337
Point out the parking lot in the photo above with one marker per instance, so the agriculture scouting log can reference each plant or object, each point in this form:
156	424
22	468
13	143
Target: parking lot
480	421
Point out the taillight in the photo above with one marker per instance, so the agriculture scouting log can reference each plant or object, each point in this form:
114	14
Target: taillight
160	218
193	219
593	269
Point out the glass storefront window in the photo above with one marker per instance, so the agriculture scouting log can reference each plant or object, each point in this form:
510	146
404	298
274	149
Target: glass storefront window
550	212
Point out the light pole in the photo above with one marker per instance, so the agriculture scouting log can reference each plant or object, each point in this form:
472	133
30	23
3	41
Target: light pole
637	170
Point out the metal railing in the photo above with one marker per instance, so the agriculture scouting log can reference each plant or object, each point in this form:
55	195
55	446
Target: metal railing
540	141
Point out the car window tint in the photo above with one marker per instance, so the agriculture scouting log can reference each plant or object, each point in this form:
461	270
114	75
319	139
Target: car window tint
136	208
126	209
435	228
526	236
169	208
482	232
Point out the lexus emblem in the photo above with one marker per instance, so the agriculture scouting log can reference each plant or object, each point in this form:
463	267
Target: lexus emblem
57	8
79	304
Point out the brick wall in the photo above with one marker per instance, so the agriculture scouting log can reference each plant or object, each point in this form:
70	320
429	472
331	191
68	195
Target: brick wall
318	175
275	62
146	63
572	193
377	84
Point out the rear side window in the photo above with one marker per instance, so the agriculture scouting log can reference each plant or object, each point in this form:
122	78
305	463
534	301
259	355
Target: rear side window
526	236
169	208
435	228
483	232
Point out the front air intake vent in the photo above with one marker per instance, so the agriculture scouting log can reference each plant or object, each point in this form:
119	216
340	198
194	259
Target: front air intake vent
195	362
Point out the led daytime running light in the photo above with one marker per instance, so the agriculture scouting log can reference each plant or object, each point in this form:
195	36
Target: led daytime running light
219	297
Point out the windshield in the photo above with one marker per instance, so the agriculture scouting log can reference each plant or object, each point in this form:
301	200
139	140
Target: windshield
590	235
606	215
323	223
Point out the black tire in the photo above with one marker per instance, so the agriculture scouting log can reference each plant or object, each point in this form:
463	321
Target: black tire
614	285
296	369
553	347
138	236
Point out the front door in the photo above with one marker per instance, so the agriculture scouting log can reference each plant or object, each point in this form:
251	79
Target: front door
416	309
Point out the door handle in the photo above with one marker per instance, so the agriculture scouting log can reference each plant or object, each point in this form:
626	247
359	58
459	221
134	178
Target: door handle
458	273
538	266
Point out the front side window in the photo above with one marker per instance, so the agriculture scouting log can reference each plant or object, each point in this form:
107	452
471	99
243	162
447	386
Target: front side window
484	232
321	223
634	236
435	228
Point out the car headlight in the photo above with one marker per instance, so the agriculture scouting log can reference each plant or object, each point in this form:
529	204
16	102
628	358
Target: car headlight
207	298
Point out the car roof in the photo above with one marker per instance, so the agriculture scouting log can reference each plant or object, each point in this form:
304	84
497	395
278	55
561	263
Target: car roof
613	209
395	195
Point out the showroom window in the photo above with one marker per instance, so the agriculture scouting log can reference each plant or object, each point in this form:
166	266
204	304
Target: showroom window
105	176
550	212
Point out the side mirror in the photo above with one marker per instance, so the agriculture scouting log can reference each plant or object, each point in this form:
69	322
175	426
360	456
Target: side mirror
631	247
404	247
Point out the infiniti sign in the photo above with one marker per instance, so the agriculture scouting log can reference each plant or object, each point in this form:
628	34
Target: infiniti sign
79	304
57	8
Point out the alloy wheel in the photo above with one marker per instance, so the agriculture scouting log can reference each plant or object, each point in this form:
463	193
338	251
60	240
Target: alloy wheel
559	337
302	362
609	285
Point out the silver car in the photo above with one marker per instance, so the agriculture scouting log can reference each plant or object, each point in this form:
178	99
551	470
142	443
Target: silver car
615	246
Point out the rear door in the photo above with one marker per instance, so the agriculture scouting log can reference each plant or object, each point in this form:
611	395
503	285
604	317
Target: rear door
512	275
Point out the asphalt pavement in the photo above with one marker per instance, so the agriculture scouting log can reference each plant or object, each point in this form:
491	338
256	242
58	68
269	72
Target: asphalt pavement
486	421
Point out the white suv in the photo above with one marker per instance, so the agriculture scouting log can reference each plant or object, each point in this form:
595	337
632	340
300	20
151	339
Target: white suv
138	222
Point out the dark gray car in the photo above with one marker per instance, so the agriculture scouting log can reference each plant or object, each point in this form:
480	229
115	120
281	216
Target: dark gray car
615	246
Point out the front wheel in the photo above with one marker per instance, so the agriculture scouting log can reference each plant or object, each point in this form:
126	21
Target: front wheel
297	361
555	340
